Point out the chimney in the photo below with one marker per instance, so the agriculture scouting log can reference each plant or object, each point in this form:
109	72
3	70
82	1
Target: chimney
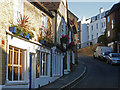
83	18
101	10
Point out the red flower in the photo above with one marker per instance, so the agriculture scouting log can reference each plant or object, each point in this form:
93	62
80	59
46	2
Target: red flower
62	36
67	36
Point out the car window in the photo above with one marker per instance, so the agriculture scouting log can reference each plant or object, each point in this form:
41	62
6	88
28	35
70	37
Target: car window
115	55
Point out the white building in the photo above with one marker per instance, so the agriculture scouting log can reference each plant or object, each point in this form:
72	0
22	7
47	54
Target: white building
84	32
97	26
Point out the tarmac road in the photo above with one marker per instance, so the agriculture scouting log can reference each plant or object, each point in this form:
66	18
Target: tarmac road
99	75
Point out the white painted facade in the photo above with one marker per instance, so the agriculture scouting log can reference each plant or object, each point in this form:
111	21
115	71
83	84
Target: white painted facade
97	27
31	48
84	32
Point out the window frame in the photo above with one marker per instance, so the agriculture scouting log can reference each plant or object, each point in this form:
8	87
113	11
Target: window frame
11	48
43	71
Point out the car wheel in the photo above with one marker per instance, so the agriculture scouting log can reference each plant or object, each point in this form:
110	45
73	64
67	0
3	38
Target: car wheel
111	63
94	57
107	62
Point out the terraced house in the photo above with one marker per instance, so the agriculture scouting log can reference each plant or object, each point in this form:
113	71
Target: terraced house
112	27
36	42
31	50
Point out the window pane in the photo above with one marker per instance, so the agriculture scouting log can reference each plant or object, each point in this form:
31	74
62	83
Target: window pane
41	65
16	65
46	63
21	73
10	73
10	56
15	73
43	69
38	65
15	57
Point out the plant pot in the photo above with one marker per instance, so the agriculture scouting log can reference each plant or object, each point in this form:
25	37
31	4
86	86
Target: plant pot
43	41
27	36
12	29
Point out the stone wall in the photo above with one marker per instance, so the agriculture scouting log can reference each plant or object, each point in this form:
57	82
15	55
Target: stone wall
6	16
35	19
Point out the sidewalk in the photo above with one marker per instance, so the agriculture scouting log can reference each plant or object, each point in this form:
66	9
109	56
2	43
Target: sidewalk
78	71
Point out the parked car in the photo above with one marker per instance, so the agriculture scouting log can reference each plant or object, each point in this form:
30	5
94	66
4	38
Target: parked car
113	58
104	56
101	49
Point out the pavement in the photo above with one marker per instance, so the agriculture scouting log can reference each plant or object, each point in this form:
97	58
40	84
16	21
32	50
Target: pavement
78	72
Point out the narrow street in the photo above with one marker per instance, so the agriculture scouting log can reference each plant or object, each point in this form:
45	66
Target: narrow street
99	74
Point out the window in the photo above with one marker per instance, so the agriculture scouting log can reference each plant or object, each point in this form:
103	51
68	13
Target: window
62	26
92	27
41	64
112	24
18	9
92	37
97	35
102	25
44	24
15	64
108	19
38	65
96	25
108	33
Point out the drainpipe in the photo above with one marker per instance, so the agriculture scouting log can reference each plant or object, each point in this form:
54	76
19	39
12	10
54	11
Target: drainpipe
55	27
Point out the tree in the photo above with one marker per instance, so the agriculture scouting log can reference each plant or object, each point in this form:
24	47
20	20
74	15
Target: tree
103	38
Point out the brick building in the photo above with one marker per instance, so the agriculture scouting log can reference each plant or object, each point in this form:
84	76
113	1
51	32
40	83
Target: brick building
112	27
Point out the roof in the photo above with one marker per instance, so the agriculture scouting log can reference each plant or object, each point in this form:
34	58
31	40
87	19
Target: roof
114	8
73	14
42	7
51	5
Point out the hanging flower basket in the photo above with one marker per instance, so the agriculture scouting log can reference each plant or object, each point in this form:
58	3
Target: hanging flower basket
71	45
64	39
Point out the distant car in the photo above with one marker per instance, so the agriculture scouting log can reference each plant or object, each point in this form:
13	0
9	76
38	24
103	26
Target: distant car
101	49
113	58
104	56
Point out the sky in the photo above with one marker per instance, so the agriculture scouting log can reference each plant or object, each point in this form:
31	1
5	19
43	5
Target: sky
88	9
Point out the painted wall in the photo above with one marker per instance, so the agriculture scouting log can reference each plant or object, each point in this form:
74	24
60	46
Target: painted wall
100	31
84	32
61	14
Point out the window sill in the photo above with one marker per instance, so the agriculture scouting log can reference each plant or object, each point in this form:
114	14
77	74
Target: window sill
9	83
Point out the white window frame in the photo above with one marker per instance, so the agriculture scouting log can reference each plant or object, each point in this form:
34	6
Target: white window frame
8	47
108	19
108	33
41	63
18	9
44	24
112	22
